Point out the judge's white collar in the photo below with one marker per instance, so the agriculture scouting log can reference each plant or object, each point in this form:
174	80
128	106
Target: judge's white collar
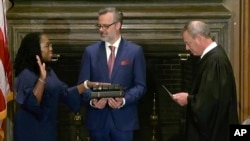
210	47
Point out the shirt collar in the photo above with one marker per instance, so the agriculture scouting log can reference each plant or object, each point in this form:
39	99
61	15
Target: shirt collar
116	44
210	47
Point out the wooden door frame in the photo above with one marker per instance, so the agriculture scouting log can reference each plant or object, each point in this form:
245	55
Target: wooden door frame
244	55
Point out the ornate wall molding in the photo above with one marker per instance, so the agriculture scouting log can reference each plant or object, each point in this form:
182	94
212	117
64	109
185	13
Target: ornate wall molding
156	24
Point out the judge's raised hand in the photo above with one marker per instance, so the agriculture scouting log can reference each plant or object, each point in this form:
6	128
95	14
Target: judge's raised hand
181	98
115	103
41	65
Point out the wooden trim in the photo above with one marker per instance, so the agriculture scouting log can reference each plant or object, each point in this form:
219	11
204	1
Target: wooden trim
244	97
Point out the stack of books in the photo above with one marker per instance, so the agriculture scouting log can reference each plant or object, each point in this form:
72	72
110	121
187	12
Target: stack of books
107	91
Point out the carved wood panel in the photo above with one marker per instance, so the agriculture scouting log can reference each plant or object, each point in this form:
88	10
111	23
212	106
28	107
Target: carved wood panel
71	28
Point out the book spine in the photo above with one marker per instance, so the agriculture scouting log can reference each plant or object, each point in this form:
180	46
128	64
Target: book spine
105	94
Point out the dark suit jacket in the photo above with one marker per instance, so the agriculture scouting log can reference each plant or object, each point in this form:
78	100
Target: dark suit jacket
129	71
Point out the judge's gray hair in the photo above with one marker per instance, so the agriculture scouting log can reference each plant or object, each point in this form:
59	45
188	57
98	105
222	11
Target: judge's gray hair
197	27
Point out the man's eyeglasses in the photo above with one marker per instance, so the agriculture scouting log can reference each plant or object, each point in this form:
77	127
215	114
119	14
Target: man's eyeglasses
104	26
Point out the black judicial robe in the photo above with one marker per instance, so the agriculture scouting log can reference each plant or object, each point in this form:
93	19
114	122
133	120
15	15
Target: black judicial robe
212	103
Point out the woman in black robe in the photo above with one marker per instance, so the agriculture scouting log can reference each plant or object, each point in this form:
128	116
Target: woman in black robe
212	101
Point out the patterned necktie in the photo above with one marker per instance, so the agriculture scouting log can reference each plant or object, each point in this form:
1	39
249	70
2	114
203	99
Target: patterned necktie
111	59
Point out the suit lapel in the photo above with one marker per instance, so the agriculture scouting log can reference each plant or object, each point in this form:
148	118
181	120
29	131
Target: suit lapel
103	59
118	58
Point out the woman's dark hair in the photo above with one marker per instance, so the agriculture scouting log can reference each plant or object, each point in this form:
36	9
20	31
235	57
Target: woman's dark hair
26	54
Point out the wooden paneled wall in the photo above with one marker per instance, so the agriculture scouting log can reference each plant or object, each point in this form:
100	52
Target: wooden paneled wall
158	24
244	96
157	28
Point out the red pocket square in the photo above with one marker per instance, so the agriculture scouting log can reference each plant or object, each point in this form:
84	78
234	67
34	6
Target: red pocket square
125	62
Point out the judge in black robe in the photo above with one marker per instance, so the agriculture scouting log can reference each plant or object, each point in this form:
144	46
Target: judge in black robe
212	101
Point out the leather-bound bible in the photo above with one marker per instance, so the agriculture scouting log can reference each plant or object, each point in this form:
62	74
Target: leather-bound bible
105	91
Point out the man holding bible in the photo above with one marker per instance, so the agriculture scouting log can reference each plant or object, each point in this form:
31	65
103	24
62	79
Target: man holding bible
113	60
212	101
